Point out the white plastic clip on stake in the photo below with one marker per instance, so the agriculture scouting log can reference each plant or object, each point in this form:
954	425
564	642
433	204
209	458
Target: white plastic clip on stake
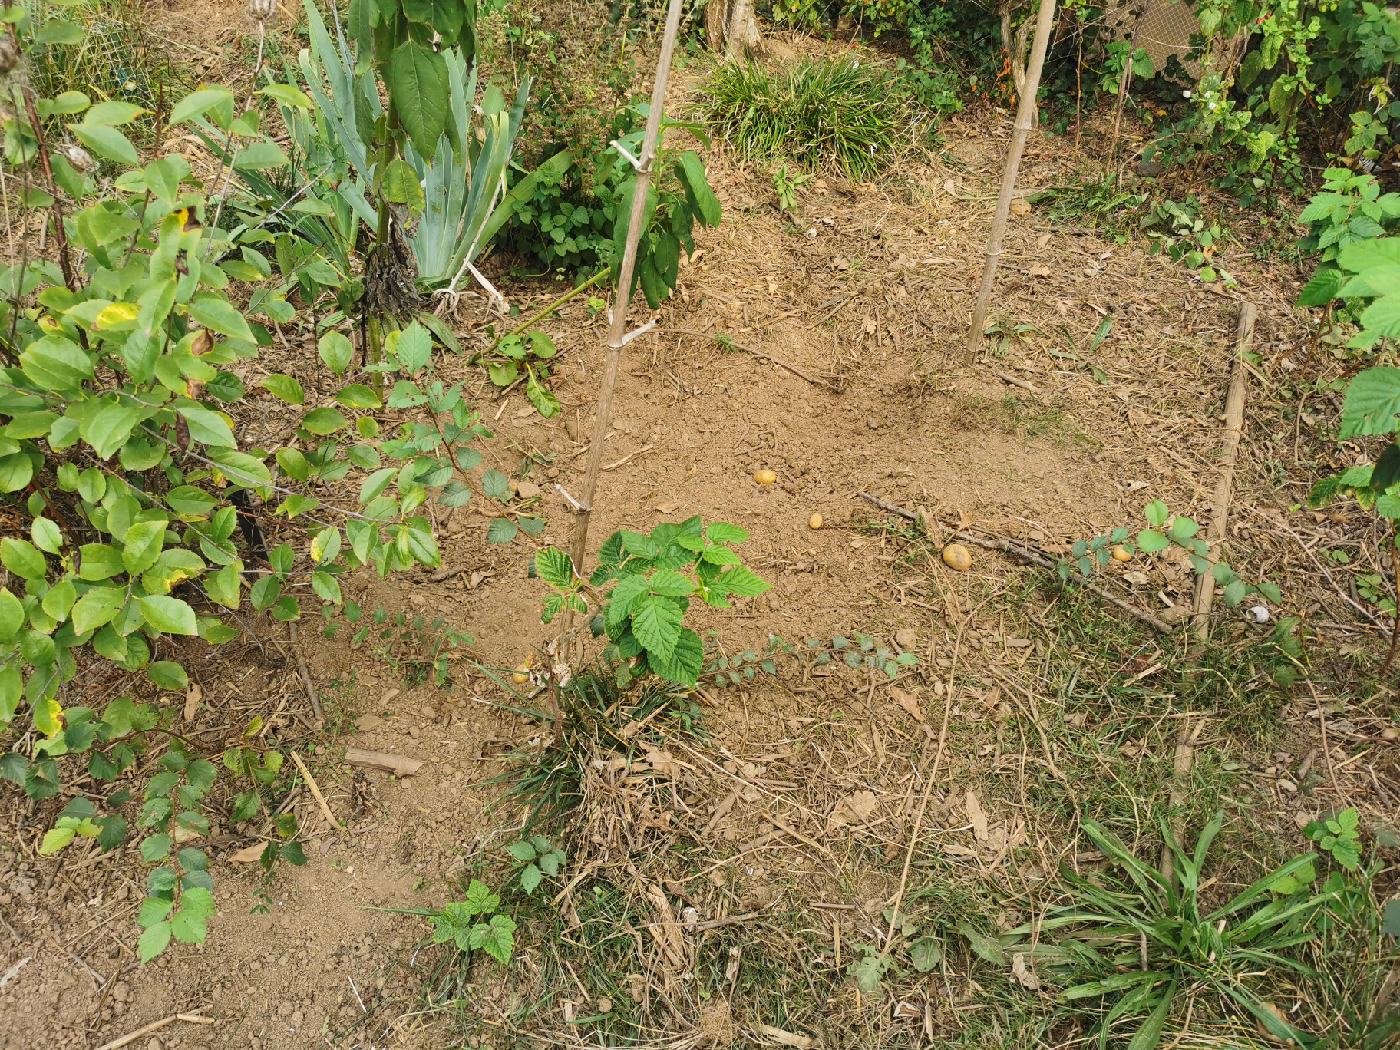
579	507
621	149
636	332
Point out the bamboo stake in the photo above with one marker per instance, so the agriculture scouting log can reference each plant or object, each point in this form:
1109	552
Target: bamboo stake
1184	756
1025	119
618	328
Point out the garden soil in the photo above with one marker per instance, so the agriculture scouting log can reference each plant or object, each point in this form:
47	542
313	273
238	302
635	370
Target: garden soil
841	369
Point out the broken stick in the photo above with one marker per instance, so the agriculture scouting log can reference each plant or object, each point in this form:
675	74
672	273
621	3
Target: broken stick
399	765
316	792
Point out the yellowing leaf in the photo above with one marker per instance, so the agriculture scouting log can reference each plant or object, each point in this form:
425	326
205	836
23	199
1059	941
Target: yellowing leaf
114	315
49	324
48	717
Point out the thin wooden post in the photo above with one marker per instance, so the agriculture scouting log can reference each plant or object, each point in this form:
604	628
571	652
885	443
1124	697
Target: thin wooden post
617	330
1025	119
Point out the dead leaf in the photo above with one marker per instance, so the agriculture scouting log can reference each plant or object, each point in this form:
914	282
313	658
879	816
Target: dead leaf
248	854
856	808
908	701
664	763
192	700
977	816
666	508
1023	973
782	1038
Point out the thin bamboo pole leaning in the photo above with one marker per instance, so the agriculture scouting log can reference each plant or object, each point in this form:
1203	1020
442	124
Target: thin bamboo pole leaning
617	330
1192	724
1025	119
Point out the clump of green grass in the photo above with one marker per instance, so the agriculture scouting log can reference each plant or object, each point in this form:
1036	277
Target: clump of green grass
1102	203
817	114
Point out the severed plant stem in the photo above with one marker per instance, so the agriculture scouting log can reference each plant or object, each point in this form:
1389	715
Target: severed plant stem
549	308
1025	119
618	328
1395	628
60	235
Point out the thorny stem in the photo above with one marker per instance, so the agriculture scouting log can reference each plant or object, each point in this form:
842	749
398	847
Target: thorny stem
60	235
1395	629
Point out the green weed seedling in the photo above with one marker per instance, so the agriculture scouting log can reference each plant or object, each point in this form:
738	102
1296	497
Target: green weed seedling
860	651
539	858
920	951
1179	231
786	184
743	668
651	580
1339	836
418	649
525	355
473	924
1164	530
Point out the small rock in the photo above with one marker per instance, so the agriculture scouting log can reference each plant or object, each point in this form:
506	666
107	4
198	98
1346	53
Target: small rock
906	640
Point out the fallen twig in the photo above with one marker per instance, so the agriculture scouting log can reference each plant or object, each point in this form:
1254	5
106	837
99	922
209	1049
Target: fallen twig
443	575
1031	556
948	693
728	343
130	1038
316	792
627	458
399	765
294	640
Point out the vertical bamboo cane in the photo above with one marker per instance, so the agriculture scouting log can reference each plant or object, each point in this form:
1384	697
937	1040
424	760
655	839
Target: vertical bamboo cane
1025	118
618	328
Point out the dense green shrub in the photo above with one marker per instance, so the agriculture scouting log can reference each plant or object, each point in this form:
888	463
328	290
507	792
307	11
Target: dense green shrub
577	223
1313	81
148	518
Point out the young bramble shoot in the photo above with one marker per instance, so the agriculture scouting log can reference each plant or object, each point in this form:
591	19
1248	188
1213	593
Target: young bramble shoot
651	580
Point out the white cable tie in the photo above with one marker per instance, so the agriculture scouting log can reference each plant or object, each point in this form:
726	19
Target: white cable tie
617	145
636	332
578	507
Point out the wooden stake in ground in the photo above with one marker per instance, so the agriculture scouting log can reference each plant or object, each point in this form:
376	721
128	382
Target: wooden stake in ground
1025	119
1191	724
617	330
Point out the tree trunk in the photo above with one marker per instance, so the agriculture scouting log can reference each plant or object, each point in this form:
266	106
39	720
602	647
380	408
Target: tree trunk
732	28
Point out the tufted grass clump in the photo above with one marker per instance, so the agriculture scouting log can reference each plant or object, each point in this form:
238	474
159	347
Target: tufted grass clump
818	114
